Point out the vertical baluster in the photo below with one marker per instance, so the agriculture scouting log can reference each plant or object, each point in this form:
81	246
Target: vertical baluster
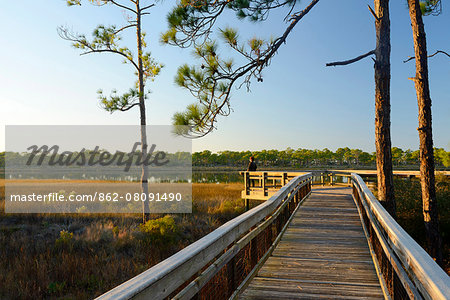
231	276
264	178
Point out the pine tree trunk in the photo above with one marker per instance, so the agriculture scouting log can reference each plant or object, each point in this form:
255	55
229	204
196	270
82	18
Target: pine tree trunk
144	146
383	107
427	180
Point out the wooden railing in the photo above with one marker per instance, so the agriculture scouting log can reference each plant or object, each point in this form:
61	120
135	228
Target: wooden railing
220	264
261	185
331	178
408	272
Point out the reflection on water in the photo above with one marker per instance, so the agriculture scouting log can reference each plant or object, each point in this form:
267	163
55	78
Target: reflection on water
234	176
216	177
199	177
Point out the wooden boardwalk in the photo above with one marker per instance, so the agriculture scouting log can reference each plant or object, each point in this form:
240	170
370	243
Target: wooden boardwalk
323	254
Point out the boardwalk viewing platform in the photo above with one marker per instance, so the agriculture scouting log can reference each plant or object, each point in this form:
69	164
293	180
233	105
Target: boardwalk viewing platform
302	242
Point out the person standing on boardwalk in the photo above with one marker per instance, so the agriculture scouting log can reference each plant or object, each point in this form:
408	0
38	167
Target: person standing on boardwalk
252	167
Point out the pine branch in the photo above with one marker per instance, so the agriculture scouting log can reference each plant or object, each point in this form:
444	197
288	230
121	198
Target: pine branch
205	89
83	43
111	51
350	61
129	107
122	6
125	27
373	13
146	7
437	52
205	13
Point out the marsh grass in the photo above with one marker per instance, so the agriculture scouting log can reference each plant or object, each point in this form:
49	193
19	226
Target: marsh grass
80	256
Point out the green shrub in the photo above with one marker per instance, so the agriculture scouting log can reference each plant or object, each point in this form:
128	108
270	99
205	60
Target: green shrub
65	237
161	232
231	207
115	231
65	240
56	287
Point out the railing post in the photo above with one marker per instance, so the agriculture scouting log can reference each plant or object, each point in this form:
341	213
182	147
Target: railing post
265	193
331	179
286	214
289	205
269	234
246	183
246	189
231	280
260	184
253	253
279	226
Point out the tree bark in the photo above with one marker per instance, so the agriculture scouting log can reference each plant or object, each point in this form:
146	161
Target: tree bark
383	107
427	180
144	146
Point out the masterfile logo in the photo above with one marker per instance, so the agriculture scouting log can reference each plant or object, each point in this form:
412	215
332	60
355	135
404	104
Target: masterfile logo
97	169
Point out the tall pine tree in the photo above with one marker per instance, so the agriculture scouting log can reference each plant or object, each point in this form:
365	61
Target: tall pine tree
106	40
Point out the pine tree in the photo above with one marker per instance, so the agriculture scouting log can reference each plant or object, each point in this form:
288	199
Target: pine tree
106	40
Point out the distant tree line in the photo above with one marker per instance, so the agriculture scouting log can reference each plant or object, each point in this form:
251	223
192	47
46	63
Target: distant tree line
54	159
294	158
307	158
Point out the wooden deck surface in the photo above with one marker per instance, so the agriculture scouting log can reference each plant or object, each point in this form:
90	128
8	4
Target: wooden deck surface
323	254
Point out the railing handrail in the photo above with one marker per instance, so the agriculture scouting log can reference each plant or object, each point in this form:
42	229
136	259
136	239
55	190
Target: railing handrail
427	276
187	262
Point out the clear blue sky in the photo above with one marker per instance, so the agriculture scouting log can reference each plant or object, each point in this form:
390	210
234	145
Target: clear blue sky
300	104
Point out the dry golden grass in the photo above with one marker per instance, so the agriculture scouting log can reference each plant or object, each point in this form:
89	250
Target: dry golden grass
81	256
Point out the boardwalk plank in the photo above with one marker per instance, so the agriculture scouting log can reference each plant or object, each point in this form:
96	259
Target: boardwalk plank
265	288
